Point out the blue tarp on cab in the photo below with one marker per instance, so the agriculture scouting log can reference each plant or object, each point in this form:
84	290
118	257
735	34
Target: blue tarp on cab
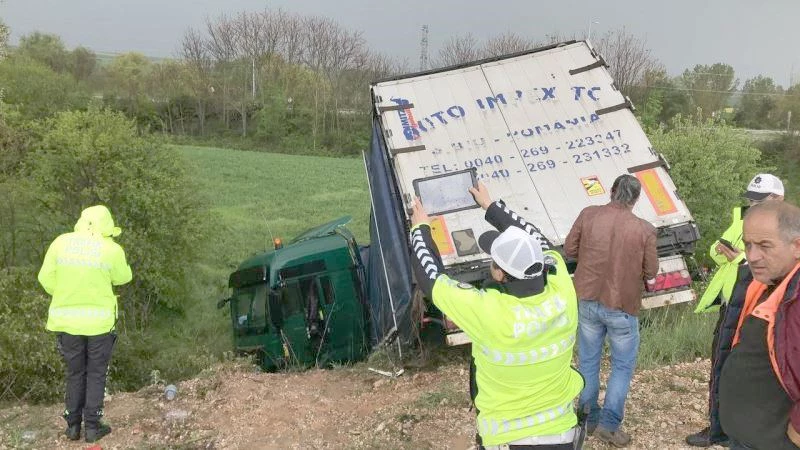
388	271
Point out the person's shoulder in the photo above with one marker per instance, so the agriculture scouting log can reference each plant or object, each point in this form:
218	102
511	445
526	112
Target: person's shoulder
111	244
592	210
647	227
63	237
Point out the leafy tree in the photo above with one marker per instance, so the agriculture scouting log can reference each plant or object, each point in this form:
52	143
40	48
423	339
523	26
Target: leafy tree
658	99
47	49
710	86
129	74
36	90
82	63
18	212
789	109
759	105
169	86
649	114
711	163
95	156
4	32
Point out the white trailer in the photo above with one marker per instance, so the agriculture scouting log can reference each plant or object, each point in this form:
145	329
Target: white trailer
548	132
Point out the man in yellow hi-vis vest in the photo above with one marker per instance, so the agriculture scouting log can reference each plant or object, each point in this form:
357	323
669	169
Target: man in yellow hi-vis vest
79	271
522	329
725	293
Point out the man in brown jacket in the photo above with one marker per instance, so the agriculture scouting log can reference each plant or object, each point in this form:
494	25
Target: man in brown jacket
616	253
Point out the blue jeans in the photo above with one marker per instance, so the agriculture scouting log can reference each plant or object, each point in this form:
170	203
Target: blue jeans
597	321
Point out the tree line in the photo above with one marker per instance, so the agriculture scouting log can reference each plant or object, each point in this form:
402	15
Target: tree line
287	82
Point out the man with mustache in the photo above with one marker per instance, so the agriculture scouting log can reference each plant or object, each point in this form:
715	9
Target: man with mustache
759	387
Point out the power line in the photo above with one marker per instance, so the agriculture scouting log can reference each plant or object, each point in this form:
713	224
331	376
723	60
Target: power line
775	94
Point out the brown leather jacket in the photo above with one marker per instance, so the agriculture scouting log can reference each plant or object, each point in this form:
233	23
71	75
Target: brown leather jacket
616	252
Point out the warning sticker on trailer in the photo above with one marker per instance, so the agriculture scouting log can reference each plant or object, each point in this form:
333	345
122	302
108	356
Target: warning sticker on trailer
440	236
656	192
592	185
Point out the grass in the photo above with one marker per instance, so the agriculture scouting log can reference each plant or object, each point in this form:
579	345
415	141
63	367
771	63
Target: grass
257	196
673	334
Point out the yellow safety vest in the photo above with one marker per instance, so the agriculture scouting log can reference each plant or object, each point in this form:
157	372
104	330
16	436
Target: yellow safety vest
523	350
724	278
79	270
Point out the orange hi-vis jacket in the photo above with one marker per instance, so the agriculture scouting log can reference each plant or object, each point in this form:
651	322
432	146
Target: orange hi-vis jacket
782	315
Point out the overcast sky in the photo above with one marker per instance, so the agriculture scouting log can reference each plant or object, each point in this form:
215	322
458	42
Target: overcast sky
755	37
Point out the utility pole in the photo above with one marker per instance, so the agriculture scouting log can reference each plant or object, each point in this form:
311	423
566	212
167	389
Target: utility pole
423	49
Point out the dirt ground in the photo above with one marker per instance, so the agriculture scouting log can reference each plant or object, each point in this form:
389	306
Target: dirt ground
234	407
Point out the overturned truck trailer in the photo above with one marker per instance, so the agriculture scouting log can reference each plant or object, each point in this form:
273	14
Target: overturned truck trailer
546	130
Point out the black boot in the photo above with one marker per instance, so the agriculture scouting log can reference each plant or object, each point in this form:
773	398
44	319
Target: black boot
703	439
94	432
73	431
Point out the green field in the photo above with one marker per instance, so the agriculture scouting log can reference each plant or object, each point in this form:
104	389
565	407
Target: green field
254	196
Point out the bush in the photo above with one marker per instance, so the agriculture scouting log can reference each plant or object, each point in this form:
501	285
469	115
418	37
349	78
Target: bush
783	152
711	164
30	367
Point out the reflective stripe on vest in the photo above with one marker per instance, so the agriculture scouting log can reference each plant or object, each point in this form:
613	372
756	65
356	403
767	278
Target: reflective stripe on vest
82	312
766	311
497	426
535	355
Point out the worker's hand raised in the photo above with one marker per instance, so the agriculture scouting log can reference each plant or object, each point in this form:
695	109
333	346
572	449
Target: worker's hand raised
481	195
418	214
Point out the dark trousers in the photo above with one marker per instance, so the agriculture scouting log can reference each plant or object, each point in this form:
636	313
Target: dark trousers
718	356
736	445
86	359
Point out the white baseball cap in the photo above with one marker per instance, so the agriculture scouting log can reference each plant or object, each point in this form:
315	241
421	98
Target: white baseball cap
762	186
518	253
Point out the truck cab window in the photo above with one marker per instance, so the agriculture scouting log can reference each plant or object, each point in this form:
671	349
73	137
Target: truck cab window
250	304
327	290
291	299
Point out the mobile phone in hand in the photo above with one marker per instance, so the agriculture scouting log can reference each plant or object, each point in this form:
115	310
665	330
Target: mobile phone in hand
728	244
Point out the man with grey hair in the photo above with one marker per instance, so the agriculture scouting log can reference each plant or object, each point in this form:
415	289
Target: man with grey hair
759	389
616	253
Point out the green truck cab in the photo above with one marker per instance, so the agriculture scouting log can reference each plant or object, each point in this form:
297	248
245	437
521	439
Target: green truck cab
302	304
